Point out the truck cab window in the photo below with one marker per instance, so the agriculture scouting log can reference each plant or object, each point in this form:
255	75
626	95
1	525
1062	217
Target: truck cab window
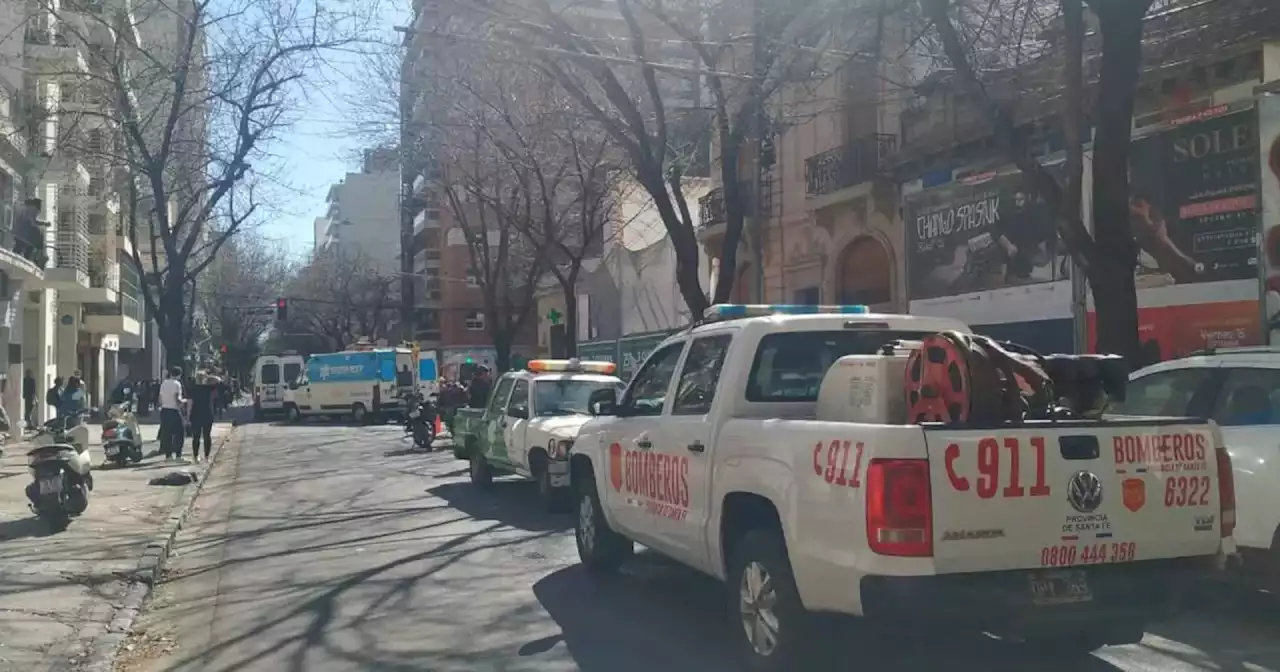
789	366
291	371
698	377
1163	392
648	390
519	398
270	374
500	394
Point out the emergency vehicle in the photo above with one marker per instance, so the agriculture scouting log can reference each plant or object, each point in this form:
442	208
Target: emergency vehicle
272	375
902	469
362	383
530	422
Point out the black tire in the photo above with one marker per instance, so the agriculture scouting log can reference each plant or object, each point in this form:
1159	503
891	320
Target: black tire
600	549
763	555
292	415
121	460
257	413
554	500
481	473
359	414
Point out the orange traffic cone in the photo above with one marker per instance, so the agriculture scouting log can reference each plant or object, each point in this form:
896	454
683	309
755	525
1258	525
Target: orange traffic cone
439	425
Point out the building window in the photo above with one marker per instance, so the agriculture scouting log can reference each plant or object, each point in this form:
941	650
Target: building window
475	321
473	278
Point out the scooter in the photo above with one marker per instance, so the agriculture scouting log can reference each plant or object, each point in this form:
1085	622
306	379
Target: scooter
421	420
60	470
121	438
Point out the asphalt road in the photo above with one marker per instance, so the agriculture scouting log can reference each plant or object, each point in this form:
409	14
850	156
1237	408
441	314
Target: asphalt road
322	549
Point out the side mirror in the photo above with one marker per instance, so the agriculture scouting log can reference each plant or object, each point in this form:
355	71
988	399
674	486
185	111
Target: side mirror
521	412
603	402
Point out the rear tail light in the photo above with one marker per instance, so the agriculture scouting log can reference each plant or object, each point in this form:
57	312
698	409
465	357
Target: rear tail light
899	508
1226	493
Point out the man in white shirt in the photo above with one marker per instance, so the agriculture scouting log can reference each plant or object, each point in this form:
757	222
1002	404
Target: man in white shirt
171	424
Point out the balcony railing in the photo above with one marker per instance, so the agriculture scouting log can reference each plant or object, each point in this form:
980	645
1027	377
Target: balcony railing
30	245
854	163
129	306
45	36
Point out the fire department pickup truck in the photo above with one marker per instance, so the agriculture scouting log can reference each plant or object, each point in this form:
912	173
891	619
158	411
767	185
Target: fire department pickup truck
530	422
771	449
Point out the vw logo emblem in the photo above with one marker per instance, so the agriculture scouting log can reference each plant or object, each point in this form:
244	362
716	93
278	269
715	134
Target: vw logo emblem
1084	492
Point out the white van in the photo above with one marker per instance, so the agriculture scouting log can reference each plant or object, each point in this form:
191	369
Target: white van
364	383
271	377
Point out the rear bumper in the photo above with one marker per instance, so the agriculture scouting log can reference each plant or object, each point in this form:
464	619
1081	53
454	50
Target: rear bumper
1001	602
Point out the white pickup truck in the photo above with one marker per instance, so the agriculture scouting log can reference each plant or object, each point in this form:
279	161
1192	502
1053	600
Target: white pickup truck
732	451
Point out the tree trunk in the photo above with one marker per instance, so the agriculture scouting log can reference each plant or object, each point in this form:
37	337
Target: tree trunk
172	327
502	350
1111	273
570	323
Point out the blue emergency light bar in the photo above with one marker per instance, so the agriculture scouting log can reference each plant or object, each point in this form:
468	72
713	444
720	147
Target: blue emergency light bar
736	311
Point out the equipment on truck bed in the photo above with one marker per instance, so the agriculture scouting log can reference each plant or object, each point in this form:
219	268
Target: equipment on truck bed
958	378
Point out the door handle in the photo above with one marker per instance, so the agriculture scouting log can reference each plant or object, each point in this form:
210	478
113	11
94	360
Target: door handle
696	447
643	443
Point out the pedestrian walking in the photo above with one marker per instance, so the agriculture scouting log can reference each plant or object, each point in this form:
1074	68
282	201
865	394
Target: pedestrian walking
201	414
72	399
171	422
28	397
53	397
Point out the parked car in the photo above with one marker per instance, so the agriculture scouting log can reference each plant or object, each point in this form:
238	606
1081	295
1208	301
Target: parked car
1239	388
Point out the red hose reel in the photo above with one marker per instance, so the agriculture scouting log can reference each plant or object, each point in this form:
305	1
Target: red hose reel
958	378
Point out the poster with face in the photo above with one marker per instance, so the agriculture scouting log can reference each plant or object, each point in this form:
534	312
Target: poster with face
1269	130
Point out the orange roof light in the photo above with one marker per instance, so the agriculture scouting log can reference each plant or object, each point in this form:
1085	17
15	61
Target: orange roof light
571	366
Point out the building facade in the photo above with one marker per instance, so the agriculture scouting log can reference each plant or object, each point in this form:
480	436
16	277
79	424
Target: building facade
363	212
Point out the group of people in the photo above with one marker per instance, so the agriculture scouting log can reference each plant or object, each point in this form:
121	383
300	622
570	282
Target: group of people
64	398
190	407
455	394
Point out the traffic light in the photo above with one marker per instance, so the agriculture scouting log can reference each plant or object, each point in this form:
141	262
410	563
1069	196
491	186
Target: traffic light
282	310
224	348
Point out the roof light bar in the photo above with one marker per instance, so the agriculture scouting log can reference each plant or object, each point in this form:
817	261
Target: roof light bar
734	311
571	366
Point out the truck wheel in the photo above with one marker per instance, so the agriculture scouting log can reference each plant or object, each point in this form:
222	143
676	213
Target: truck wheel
359	414
291	414
600	549
554	500
481	472
774	624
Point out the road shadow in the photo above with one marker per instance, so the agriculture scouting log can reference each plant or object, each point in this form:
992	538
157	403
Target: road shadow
658	615
29	527
512	503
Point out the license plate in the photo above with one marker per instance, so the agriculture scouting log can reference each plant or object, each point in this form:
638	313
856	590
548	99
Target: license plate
1060	587
112	451
50	486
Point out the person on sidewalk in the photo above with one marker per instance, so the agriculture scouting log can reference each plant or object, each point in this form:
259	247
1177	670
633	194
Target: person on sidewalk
72	400
53	397
171	422
28	397
201	414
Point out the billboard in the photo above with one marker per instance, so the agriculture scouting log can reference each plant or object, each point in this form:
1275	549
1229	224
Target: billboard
983	233
1269	150
1169	332
1194	200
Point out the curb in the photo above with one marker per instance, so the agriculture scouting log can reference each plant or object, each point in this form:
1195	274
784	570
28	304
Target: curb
101	653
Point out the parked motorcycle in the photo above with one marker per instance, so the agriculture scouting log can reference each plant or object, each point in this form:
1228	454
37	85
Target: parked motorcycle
121	436
60	470
421	420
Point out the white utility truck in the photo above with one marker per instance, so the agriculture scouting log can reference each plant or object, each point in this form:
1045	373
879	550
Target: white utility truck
902	469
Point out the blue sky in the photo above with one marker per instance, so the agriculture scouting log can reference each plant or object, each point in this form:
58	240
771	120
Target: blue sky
318	149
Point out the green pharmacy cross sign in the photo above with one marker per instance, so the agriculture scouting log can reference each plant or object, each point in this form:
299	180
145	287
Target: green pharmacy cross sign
554	316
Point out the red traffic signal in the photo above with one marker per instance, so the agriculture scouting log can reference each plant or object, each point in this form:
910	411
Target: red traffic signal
224	348
282	309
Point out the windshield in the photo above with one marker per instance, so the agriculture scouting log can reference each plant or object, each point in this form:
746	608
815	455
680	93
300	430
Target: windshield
292	371
566	397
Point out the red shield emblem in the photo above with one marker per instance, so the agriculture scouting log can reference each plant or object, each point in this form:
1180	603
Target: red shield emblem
1134	491
615	466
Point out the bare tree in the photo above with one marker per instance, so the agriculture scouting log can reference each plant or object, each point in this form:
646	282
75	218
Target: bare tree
337	299
635	81
172	108
1109	254
238	291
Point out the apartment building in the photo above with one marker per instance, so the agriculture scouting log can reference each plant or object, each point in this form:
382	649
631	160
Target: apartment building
363	215
70	298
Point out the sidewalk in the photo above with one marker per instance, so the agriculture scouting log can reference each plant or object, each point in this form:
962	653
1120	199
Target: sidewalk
53	588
